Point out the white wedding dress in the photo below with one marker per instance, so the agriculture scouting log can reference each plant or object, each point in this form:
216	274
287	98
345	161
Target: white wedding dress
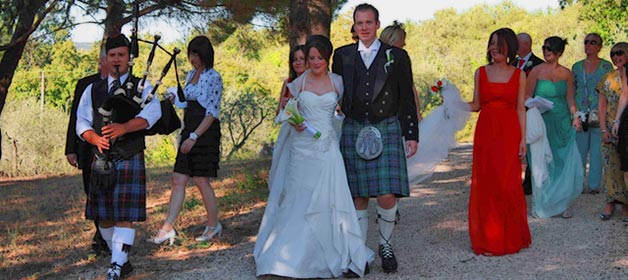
437	134
310	228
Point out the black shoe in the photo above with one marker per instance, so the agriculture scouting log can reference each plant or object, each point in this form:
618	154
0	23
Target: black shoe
114	272
124	271
351	274
389	262
99	245
594	191
605	217
127	268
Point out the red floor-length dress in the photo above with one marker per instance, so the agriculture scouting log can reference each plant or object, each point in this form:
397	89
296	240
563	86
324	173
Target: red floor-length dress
498	222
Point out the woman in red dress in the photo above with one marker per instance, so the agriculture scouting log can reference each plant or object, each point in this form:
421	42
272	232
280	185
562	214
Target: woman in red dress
298	65
498	222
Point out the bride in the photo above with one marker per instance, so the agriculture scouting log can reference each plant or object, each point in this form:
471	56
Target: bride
438	133
310	227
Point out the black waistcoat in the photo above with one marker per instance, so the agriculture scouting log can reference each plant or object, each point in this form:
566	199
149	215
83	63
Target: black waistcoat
364	90
130	143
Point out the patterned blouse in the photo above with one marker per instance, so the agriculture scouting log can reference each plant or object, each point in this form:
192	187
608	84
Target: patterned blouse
207	91
585	83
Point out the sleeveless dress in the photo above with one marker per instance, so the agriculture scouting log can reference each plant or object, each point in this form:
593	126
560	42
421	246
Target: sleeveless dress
566	174
498	222
310	228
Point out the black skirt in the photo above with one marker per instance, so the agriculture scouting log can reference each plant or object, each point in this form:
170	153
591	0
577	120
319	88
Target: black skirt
203	159
622	141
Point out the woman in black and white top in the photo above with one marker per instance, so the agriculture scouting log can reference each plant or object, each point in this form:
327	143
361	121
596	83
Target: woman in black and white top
199	147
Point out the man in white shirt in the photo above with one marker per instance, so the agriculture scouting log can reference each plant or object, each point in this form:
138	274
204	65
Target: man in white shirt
117	196
378	99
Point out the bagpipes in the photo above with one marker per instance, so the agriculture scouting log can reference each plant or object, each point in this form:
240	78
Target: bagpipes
126	102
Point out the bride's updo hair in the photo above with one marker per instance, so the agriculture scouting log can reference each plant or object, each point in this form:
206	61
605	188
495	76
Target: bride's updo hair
556	44
505	37
322	44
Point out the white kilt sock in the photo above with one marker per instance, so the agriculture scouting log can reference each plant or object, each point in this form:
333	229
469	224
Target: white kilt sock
122	239
386	219
107	234
363	220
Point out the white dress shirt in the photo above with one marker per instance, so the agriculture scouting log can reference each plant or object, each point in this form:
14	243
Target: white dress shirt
85	113
525	60
368	54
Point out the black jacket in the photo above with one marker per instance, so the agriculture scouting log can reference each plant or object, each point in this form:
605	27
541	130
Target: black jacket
73	144
393	89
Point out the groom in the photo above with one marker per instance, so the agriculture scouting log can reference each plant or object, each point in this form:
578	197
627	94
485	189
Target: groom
380	109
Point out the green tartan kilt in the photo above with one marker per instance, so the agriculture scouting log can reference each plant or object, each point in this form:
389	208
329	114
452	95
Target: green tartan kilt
386	174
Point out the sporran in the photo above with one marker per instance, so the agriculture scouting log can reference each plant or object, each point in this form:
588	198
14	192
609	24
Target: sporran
369	144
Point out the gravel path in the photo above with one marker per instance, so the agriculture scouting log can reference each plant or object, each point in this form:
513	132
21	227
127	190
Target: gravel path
431	240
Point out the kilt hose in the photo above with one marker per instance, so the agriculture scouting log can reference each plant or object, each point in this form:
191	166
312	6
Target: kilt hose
126	202
386	174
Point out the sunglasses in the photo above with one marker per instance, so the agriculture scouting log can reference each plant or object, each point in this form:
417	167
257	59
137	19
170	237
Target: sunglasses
618	53
590	42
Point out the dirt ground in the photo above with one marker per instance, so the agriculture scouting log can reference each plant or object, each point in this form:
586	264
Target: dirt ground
431	241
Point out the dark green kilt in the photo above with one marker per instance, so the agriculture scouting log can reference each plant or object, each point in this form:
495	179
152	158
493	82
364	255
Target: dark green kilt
386	174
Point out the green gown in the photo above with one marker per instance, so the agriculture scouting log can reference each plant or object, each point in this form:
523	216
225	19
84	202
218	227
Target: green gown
566	175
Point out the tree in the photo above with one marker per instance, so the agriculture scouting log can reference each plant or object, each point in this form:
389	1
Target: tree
310	17
608	17
242	114
20	19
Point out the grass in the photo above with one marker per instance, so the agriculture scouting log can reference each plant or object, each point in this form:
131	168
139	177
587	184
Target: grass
43	232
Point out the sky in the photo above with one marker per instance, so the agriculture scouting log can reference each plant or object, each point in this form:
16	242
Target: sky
389	10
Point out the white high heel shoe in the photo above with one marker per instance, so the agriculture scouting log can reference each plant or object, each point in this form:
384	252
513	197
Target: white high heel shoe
210	232
162	236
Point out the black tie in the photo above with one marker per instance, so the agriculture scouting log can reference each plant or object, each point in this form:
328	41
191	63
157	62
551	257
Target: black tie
114	86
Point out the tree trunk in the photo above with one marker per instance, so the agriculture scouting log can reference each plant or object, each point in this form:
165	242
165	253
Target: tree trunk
27	12
308	17
114	20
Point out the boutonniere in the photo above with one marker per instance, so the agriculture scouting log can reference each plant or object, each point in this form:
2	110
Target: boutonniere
390	59
528	64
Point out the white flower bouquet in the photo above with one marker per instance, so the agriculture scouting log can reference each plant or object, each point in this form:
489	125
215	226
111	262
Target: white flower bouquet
292	115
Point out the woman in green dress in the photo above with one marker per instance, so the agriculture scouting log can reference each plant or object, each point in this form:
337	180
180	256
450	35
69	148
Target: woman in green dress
610	88
554	82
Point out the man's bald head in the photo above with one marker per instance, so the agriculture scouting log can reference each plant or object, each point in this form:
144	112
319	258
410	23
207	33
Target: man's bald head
525	44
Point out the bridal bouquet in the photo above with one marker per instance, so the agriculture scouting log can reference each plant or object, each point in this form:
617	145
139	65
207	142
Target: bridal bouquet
438	85
292	115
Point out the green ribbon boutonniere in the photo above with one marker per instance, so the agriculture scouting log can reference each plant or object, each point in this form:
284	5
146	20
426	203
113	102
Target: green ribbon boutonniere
390	59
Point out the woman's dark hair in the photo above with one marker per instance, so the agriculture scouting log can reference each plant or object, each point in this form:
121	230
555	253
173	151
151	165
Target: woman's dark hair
295	49
322	44
201	46
505	37
556	44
